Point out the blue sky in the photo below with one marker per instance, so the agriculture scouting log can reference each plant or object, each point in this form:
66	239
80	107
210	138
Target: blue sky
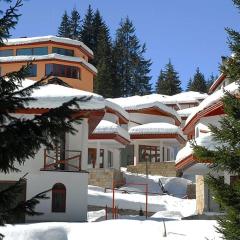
189	32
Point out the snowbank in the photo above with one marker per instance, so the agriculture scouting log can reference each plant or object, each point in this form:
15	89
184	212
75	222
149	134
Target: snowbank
174	185
114	229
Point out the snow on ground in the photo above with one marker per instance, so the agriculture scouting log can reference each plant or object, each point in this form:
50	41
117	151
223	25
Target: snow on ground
174	185
114	229
170	206
95	215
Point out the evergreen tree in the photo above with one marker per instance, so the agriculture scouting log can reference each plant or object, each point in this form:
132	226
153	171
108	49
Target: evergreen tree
189	84
87	33
160	82
130	68
210	81
64	28
169	82
199	83
29	134
226	156
75	25
103	82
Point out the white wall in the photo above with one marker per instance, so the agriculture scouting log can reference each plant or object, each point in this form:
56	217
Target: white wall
205	121
148	118
110	117
76	195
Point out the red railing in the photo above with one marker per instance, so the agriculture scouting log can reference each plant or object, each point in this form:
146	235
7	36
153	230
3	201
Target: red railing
62	160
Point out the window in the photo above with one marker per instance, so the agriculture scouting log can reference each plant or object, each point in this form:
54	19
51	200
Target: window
32	51
40	51
6	53
63	51
58	198
101	158
62	71
163	154
168	154
110	159
32	70
149	153
92	156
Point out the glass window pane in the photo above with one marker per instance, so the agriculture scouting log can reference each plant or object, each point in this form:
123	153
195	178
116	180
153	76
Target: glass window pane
40	51
48	69
63	51
6	53
24	51
32	70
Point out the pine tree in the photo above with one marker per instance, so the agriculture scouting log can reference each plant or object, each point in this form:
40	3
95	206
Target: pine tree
210	81
169	82
226	156
199	83
160	82
75	25
189	84
30	134
64	28
103	82
131	69
87	33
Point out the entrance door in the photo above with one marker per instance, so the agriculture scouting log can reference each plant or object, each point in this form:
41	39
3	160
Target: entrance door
92	156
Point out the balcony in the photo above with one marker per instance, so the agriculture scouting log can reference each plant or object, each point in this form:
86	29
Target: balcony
62	160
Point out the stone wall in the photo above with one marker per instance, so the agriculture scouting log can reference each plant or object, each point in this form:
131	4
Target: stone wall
104	177
166	169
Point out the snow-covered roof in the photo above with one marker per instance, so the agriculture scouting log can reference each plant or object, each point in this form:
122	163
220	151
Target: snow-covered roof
185	97
143	102
29	40
52	96
156	128
117	108
106	127
212	99
47	57
204	141
186	112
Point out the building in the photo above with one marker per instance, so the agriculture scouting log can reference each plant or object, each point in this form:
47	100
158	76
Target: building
154	133
209	111
63	169
63	58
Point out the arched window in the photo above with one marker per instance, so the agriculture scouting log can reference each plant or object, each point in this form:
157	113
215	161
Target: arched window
58	198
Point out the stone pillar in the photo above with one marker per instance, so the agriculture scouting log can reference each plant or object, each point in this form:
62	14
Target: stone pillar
98	155
201	197
84	143
136	154
161	155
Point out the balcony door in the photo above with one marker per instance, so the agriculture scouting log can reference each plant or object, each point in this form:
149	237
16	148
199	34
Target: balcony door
92	156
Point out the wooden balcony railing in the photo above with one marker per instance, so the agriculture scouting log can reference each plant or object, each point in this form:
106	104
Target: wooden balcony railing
56	159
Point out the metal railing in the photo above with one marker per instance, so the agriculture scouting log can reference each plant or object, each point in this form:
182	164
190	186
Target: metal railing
57	159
